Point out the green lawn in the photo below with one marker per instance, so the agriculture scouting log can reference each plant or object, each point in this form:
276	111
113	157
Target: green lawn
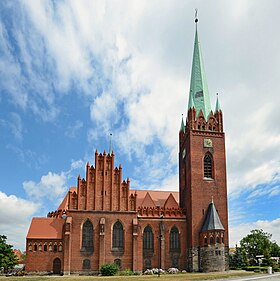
166	277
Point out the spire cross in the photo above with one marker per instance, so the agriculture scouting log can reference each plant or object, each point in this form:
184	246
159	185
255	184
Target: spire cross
195	16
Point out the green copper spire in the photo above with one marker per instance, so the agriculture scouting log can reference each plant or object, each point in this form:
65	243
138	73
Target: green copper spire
218	107
199	96
191	103
182	129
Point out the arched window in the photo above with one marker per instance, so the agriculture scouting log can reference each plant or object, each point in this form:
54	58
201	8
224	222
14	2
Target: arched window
57	266
174	240
208	166
147	264
205	241
148	239
217	239
118	262
211	240
45	247
87	237
35	247
118	236
86	264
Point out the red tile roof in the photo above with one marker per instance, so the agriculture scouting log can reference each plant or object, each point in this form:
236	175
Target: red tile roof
45	228
158	197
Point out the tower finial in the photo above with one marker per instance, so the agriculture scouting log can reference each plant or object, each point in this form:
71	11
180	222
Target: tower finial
195	16
111	146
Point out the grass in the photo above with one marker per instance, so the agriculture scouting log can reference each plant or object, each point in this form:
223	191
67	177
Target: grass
165	277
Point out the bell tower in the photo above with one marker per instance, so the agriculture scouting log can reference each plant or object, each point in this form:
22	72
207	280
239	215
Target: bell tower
202	174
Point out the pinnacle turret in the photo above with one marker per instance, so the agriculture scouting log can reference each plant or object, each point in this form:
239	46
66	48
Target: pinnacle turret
218	107
182	128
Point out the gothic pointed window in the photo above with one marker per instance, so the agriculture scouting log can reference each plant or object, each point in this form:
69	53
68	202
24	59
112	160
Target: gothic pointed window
174	240
87	237
148	239
208	166
118	236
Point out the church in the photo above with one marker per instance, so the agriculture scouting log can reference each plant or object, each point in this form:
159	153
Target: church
104	220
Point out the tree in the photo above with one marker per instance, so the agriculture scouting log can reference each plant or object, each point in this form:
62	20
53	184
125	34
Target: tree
7	257
257	243
238	259
275	250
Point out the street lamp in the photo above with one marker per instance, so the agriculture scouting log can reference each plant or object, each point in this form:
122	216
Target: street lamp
161	230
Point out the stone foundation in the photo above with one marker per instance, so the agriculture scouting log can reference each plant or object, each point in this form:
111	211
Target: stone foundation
212	258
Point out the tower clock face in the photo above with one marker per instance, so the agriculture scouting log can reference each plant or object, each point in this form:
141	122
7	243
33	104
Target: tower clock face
208	143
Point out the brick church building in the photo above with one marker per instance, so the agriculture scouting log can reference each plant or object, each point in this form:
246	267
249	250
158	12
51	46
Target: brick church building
102	220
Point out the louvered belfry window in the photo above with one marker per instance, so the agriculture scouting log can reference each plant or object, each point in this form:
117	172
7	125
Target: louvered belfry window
87	238
208	166
118	236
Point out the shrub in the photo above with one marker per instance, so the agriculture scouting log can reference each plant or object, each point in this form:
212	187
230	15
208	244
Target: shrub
256	268
127	272
109	269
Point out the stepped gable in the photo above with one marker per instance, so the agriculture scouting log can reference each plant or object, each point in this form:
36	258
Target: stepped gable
45	228
65	202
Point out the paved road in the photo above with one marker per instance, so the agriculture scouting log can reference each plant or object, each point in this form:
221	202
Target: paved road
266	277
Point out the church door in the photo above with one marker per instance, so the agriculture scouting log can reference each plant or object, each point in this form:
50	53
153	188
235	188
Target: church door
57	266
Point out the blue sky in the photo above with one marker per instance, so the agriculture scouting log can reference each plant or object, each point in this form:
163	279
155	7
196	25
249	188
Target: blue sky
72	72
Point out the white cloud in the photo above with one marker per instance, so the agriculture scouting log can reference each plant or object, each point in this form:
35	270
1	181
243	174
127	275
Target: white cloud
239	231
134	69
51	186
104	111
14	124
15	215
73	130
76	164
